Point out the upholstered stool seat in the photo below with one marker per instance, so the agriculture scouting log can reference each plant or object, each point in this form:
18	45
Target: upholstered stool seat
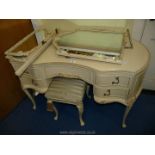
67	91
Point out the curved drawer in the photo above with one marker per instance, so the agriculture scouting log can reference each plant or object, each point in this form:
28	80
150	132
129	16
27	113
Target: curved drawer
28	82
72	71
107	92
113	79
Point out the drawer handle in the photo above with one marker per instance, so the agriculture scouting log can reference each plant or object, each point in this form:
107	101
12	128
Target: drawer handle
117	81
107	93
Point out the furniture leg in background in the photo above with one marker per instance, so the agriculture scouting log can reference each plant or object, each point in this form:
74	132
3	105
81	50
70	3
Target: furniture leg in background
80	109
52	108
31	98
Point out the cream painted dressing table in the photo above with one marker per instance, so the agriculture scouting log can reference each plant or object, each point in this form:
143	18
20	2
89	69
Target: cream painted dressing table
111	82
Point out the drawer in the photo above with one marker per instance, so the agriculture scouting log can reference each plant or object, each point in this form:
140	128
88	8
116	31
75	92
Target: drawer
38	73
41	83
28	81
72	71
113	79
111	92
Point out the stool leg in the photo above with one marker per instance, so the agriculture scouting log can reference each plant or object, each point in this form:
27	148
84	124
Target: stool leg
80	109
87	91
51	108
56	113
31	98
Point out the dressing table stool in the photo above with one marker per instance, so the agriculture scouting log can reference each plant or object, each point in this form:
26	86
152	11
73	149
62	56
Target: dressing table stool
67	91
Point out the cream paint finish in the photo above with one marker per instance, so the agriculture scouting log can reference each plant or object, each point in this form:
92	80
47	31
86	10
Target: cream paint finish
72	24
65	23
111	82
99	22
130	62
68	24
67	91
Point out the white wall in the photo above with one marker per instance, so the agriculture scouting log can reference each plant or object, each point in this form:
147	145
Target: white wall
148	39
144	31
138	28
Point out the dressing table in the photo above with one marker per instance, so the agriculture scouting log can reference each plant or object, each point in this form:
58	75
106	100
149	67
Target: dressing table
111	82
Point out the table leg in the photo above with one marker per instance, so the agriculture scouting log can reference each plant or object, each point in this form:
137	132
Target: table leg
127	110
31	98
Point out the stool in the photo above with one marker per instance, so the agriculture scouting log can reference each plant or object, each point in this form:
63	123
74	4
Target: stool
67	91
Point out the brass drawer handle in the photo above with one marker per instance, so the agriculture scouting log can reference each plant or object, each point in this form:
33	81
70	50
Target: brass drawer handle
117	80
107	93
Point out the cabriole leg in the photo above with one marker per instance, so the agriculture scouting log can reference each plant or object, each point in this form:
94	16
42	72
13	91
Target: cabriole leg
87	91
80	109
51	108
127	110
31	98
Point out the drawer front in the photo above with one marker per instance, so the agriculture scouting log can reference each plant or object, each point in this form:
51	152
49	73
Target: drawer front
113	79
38	73
41	83
27	79
111	92
64	70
